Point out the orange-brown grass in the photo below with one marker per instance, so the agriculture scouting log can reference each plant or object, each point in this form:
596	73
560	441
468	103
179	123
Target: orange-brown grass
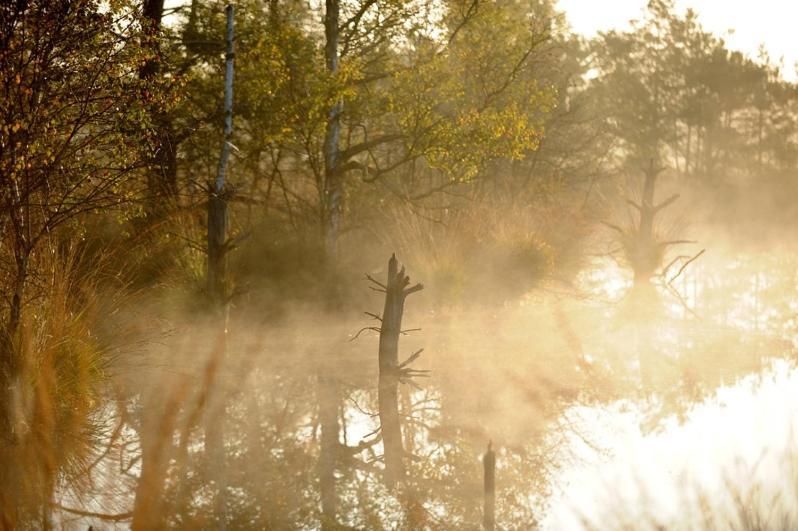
55	399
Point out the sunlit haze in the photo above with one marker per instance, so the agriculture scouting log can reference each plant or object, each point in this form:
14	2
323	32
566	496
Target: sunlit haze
745	25
398	265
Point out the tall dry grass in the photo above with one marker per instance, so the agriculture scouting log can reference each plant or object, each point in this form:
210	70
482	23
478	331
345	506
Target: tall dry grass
58	393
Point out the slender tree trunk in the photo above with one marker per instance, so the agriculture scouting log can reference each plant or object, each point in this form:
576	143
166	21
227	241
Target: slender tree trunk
162	180
217	204
644	262
760	136
708	147
687	151
332	200
152	12
217	233
698	146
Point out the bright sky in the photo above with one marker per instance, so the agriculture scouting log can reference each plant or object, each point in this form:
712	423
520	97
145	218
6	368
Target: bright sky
768	22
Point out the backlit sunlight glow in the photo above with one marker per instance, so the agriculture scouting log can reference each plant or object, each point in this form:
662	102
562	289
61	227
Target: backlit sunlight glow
732	454
406	265
746	26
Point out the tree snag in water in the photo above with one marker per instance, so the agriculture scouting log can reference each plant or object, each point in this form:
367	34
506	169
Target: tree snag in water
391	371
641	247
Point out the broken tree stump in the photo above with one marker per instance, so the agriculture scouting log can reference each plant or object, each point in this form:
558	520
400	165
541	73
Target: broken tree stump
396	290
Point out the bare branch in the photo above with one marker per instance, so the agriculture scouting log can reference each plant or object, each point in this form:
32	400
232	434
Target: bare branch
673	291
613	227
667	202
469	14
372	328
414	373
411	359
90	514
368	145
362	445
684	266
637	206
672	263
412	289
378	283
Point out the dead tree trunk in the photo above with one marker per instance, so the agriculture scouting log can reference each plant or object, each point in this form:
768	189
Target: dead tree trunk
489	507
644	251
646	260
391	371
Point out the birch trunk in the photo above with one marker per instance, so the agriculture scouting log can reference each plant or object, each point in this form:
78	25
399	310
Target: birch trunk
217	205
332	193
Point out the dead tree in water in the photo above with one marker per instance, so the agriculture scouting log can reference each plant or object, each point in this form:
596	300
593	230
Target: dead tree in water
647	253
391	371
644	251
641	248
489	507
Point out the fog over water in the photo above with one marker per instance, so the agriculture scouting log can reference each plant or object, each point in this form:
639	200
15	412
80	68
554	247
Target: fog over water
401	265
